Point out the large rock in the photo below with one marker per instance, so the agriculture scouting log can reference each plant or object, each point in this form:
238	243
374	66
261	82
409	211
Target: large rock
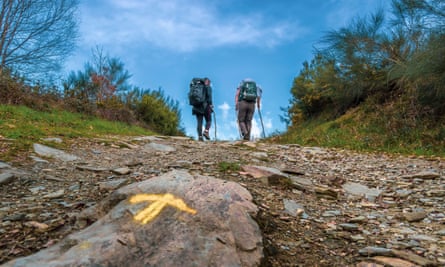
190	221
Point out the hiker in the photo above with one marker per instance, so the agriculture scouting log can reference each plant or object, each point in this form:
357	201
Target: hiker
202	106
247	95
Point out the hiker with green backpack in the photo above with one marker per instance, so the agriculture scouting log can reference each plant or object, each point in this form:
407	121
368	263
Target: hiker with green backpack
247	95
200	97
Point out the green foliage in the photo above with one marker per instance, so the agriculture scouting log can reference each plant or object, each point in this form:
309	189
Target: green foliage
391	75
424	75
373	128
21	122
344	73
25	126
14	90
311	89
97	86
79	93
102	90
160	112
368	58
224	166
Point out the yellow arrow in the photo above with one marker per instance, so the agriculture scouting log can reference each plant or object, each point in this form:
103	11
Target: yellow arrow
160	202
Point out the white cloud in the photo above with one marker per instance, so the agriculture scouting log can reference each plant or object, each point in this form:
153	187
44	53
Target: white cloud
257	126
267	123
180	25
255	132
225	107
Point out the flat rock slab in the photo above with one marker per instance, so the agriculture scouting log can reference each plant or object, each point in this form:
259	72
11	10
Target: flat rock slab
423	175
158	147
6	177
4	165
361	190
171	220
267	175
53	153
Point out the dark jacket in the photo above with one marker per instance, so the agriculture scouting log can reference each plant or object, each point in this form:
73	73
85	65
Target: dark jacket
201	109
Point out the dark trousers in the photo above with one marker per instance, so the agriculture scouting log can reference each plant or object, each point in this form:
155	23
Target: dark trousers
245	115
208	118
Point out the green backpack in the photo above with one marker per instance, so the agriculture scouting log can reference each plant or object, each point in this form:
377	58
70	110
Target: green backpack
248	91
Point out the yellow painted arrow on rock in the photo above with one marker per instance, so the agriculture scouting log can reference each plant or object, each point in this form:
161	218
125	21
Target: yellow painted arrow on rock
160	202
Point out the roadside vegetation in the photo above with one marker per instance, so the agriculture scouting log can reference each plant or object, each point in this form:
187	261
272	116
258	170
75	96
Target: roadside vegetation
36	101
377	84
21	126
89	105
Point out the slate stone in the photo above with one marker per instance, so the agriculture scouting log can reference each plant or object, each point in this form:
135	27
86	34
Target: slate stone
361	190
208	222
4	165
53	153
6	178
159	147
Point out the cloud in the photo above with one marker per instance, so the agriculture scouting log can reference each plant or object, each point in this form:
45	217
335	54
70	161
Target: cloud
225	107
267	123
257	126
255	132
226	124
182	26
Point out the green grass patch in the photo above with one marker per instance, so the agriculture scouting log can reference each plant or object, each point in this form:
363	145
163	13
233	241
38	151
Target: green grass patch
228	166
362	130
22	126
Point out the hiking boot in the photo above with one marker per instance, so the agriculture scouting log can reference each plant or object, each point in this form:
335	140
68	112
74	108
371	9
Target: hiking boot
200	138
246	137
206	134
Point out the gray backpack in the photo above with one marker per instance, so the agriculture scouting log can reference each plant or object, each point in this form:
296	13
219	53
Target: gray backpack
197	94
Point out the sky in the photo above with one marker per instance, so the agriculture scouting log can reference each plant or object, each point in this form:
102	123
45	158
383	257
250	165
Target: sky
164	44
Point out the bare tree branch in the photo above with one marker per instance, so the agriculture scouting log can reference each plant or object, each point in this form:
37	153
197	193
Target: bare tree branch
36	36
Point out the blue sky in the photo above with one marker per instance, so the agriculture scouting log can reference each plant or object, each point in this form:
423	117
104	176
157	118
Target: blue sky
167	43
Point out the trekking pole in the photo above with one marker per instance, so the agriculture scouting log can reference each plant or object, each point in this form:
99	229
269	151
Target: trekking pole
262	125
214	119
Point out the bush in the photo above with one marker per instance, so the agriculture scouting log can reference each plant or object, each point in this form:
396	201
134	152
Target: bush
155	112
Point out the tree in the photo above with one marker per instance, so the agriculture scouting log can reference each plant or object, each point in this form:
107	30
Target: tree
399	62
101	80
312	89
36	35
107	75
361	57
423	73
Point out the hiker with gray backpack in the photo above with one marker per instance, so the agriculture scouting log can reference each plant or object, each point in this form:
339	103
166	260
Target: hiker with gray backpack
200	97
247	95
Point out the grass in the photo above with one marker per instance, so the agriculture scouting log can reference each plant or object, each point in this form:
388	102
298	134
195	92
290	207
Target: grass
21	126
371	132
224	166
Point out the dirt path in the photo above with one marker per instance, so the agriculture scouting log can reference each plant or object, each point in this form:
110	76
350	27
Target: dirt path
333	226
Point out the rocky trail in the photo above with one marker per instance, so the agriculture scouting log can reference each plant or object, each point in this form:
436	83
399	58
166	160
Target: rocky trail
316	206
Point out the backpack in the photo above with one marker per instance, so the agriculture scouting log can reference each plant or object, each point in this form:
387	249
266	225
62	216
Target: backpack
248	91
197	94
